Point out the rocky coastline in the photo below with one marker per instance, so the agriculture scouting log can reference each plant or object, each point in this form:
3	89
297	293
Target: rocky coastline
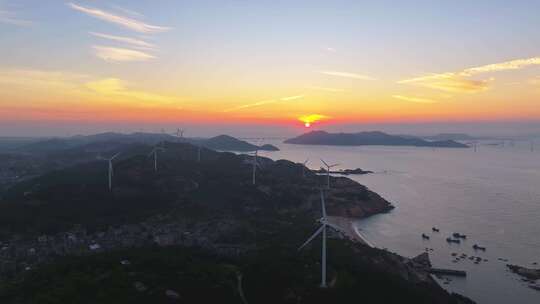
529	275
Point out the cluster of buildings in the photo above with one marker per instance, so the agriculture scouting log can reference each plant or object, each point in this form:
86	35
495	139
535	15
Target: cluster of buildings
23	255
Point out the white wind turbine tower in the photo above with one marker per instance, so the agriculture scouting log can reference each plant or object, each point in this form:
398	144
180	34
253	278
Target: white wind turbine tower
328	167
111	171
324	222
155	152
304	167
255	163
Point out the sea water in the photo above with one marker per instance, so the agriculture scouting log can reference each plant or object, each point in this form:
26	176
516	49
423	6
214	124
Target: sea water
492	196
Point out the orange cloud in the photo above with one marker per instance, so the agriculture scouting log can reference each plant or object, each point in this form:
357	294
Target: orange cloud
414	99
460	82
450	82
263	102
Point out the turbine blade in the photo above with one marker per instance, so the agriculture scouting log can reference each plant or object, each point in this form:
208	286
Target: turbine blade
324	163
306	161
323	205
312	237
114	156
334	165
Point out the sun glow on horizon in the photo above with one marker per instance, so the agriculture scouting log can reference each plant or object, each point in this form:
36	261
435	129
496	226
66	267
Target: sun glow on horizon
141	65
308	120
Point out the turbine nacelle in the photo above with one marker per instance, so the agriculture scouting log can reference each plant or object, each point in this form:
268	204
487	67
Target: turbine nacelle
328	167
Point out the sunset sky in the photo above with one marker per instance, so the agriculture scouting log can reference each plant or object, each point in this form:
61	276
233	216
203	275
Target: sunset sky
89	65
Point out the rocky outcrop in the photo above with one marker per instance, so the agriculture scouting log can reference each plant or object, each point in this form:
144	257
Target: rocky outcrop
348	198
357	171
531	274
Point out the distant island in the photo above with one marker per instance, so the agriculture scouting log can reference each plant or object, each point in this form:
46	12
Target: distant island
229	143
220	142
368	139
455	136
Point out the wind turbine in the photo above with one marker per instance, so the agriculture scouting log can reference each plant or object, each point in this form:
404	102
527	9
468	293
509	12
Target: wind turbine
155	151
304	167
328	167
324	223
255	163
111	172
179	134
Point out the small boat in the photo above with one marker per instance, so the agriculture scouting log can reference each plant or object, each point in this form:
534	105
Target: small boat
435	229
459	236
450	240
425	237
476	247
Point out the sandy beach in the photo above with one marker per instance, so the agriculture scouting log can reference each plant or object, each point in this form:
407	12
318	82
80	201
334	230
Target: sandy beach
346	226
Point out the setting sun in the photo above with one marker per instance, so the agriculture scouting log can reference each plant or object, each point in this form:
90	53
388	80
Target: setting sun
308	120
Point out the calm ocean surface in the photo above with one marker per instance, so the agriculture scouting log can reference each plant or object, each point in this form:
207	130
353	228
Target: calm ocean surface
492	196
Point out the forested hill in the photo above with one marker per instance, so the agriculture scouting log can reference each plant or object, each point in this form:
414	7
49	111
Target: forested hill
193	232
368	138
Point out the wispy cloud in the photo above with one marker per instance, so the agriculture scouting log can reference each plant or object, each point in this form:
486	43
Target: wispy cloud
128	40
127	11
502	66
415	99
325	89
347	75
114	54
449	82
123	21
39	85
330	49
263	102
9	17
114	87
291	97
41	79
460	81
